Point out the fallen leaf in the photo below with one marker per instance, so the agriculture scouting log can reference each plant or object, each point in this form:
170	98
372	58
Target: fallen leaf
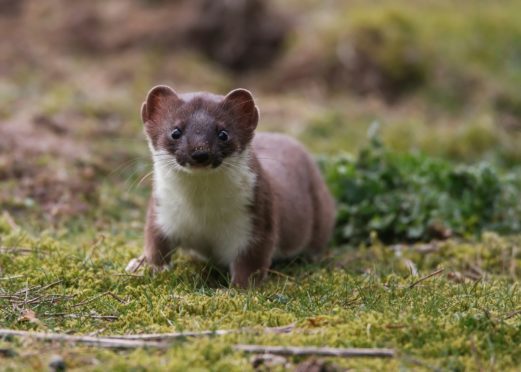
29	315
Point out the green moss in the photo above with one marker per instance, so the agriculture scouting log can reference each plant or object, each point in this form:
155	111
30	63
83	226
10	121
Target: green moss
358	298
388	42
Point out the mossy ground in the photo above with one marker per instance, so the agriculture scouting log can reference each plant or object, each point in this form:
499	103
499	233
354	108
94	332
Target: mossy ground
361	297
73	166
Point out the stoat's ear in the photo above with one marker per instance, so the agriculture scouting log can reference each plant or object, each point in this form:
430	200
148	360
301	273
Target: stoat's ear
160	101
240	103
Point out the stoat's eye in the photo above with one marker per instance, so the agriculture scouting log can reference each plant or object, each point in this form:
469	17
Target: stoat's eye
176	134
222	135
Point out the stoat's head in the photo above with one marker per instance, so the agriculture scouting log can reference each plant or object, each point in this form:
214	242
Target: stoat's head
198	131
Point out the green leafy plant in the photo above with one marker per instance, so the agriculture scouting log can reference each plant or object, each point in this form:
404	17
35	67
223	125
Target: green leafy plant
413	197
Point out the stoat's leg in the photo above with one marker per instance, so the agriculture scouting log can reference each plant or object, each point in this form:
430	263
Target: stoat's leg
251	267
158	248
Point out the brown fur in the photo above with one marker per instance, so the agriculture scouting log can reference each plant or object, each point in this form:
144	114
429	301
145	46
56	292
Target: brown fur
158	247
292	210
305	209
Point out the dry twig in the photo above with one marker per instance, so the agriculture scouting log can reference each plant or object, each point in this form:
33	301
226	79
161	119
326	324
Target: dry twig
33	295
278	273
38	288
128	341
160	341
72	315
11	277
218	332
15	250
318	351
172	336
512	314
92	299
87	340
89	300
50	285
437	272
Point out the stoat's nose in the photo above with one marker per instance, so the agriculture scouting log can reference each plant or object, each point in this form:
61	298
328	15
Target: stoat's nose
201	156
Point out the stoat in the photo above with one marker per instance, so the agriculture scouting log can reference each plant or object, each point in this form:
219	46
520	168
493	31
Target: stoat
233	196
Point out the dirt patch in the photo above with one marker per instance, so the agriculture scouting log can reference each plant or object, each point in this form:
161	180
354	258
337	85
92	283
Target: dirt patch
41	167
238	35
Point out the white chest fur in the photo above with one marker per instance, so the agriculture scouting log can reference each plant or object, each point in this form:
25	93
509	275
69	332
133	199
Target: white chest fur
206	211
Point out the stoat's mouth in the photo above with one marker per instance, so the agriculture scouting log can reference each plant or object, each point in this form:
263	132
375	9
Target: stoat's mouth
201	167
181	164
198	168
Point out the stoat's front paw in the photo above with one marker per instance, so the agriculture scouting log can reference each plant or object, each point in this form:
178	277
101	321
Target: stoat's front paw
159	268
136	264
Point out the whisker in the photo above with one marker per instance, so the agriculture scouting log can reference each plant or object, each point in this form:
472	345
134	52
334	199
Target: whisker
144	178
125	165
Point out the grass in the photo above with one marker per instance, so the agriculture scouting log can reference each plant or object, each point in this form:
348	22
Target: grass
458	320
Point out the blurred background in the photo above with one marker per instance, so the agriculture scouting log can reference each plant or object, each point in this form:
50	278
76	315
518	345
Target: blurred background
440	77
